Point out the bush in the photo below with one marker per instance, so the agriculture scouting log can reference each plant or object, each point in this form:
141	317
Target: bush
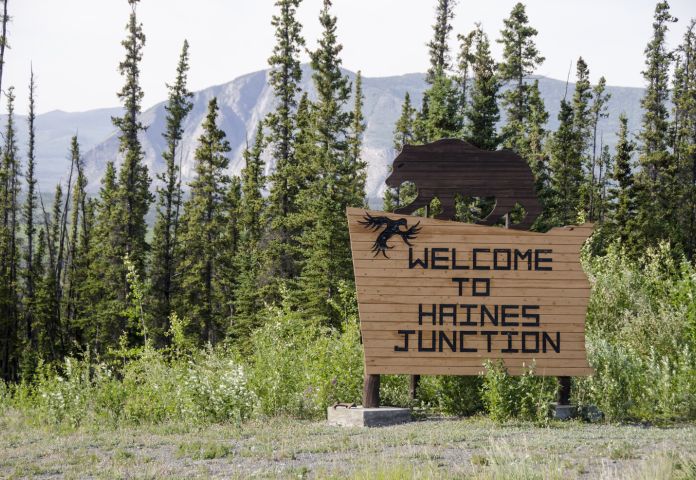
641	323
299	367
524	397
451	395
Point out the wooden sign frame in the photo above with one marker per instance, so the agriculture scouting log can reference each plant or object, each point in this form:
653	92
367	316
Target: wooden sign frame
442	297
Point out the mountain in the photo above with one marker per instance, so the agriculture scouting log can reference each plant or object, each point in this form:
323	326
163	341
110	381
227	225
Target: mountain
244	102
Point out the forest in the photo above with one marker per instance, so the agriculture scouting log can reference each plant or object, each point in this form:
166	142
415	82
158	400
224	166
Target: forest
239	300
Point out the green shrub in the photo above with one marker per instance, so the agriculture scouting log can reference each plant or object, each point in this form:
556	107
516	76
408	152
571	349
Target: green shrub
214	389
640	341
300	367
524	397
451	395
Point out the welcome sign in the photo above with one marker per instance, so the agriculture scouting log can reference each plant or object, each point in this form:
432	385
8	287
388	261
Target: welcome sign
442	297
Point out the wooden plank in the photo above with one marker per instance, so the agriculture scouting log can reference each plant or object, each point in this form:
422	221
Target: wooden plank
409	308
399	257
388	337
366	259
412	316
513	369
468	241
521	300
409	324
404	290
418	274
446	281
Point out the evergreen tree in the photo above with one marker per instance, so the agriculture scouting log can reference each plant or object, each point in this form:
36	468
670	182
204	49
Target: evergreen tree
520	58
403	131
465	60
52	340
3	39
483	113
75	273
684	127
9	246
331	188
622	194
166	227
533	149
29	225
286	181
133	180
605	166
403	135
598	110
566	170
104	323
126	228
656	181
248	300
203	224
355	138
581	131
438	46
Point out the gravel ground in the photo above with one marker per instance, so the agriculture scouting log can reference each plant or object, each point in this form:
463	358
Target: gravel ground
287	448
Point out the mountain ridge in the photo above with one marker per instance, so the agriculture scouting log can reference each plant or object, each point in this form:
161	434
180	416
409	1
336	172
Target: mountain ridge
243	102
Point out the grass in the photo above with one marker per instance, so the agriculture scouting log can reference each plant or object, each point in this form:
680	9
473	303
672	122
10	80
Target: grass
285	448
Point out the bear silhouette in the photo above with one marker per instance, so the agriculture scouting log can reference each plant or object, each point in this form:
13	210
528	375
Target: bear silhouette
451	167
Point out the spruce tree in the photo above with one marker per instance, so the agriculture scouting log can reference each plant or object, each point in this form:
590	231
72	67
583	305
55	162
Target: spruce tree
684	127
104	323
622	193
9	246
3	39
53	340
331	188
134	197
533	149
656	182
126	229
29	224
483	114
203	224
286	181
403	135
166	227
520	58
75	271
438	46
565	167
355	139
582	108
465	60
248	298
598	111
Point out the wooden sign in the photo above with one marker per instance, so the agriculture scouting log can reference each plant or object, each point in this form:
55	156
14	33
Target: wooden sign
442	297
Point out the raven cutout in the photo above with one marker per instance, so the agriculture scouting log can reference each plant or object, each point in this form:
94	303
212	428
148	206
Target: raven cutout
392	227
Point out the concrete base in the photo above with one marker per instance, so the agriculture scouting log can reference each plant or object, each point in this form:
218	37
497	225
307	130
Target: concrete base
564	412
367	417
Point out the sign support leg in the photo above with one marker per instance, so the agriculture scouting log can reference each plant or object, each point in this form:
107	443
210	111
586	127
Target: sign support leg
371	391
564	391
413	387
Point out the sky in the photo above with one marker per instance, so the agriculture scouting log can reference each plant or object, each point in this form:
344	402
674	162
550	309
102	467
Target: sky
74	45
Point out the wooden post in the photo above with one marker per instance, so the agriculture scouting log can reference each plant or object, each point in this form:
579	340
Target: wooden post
413	387
564	391
371	391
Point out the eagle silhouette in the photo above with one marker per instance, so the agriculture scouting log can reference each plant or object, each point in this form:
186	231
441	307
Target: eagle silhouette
392	227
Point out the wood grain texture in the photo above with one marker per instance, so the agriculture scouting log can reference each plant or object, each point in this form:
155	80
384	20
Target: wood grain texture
415	320
450	167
